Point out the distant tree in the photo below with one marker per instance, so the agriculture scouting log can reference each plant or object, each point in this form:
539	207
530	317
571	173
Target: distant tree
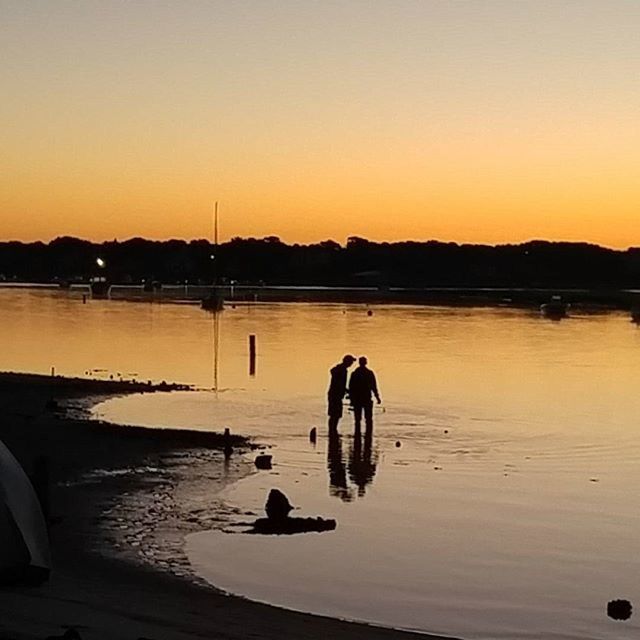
406	264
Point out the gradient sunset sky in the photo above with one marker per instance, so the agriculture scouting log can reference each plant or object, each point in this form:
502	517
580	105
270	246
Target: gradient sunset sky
471	121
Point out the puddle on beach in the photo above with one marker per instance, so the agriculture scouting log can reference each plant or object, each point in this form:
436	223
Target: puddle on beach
509	509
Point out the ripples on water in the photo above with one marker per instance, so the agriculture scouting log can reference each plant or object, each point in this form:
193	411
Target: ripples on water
508	511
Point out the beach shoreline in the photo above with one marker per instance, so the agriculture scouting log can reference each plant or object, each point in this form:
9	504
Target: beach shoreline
122	500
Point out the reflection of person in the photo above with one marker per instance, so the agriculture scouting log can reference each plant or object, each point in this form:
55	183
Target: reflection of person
361	387
362	464
338	390
335	465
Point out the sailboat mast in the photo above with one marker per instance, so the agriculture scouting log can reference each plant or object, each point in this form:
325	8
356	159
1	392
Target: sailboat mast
215	224
214	302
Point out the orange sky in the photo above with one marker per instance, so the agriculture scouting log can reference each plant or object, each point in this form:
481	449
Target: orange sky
473	122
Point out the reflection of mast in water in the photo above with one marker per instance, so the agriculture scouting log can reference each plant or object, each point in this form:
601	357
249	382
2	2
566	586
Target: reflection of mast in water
216	348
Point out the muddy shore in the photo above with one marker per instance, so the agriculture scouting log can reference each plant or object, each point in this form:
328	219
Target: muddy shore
121	501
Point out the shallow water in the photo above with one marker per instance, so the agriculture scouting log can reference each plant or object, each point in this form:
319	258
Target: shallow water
508	511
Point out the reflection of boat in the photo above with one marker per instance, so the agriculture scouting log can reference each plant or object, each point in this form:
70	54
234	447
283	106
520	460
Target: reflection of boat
100	287
554	309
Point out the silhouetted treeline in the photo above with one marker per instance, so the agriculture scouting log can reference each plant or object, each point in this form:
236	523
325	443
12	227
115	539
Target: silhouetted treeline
359	263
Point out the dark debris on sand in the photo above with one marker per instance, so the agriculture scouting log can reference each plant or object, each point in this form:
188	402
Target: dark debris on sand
619	609
278	521
290	526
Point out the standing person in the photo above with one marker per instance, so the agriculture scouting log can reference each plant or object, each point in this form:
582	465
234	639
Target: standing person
338	390
361	386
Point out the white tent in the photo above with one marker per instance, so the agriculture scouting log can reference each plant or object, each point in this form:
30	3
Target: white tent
24	543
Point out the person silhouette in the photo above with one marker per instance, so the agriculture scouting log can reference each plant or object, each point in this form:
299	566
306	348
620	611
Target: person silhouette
362	385
338	390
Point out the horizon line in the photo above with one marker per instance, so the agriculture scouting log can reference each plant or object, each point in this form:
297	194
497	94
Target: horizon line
122	240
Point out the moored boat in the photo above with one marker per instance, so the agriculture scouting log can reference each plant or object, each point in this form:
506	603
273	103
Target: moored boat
100	287
555	309
213	302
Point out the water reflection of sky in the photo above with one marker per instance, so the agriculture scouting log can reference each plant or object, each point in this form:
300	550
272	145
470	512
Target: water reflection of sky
507	511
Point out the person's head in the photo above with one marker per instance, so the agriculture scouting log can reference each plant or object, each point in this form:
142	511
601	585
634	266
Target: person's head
362	361
348	360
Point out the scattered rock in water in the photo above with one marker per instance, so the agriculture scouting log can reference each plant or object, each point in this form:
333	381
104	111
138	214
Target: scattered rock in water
398	444
278	505
313	435
446	430
369	313
619	609
263	461
289	526
594	479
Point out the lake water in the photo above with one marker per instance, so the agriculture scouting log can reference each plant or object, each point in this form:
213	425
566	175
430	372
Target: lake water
509	510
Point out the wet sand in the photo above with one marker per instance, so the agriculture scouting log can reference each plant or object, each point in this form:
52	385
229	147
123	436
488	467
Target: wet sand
121	501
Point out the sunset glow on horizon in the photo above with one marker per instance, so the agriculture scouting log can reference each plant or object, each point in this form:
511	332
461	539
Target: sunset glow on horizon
488	122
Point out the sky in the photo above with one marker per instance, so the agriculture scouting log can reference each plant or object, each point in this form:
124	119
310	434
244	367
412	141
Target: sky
470	121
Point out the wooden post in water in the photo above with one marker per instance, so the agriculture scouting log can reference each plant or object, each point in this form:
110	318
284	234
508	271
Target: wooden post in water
252	355
228	449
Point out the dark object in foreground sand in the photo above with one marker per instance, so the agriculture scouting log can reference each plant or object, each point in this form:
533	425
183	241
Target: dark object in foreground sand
263	461
289	526
25	558
278	521
619	609
69	634
278	505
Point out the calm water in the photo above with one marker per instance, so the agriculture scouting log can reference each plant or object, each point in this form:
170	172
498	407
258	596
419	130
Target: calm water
510	509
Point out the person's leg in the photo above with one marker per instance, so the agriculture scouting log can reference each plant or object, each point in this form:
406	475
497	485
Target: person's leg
368	415
357	415
335	413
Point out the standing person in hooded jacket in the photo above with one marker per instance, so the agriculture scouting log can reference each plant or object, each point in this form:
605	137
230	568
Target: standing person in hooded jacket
338	390
362	386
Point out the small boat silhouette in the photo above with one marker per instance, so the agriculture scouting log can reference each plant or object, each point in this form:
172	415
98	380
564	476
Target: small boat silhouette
214	302
555	309
100	287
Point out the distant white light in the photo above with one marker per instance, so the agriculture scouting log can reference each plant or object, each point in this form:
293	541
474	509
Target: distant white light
101	263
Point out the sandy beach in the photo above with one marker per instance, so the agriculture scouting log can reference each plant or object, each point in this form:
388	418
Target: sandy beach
121	501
